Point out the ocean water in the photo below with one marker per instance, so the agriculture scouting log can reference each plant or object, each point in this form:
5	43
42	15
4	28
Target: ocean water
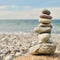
25	25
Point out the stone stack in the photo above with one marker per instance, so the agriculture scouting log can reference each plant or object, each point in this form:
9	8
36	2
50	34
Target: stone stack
45	45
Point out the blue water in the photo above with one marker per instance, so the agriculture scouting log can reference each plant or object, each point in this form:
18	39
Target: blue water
25	25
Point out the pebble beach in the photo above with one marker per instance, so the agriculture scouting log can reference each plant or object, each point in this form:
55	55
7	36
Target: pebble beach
15	44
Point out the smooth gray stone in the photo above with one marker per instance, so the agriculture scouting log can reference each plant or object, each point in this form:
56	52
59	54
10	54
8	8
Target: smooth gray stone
46	21
43	30
44	25
49	41
45	48
1	58
45	11
18	54
43	38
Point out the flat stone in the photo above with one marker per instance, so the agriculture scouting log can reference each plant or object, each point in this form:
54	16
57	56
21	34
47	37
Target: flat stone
45	16
44	37
45	48
44	25
45	11
43	30
46	21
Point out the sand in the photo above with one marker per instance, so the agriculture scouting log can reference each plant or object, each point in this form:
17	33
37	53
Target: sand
18	43
56	56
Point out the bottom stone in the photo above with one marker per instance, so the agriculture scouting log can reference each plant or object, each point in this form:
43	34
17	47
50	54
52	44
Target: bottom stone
44	48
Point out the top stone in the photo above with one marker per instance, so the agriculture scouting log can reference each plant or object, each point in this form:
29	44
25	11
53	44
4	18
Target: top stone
46	12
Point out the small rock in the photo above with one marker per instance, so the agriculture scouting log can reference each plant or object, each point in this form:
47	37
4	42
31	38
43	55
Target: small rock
45	11
45	21
1	58
18	54
42	30
50	41
24	50
34	43
45	16
9	57
44	25
43	38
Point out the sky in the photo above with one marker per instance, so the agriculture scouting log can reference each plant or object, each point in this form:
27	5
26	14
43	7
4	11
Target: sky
28	9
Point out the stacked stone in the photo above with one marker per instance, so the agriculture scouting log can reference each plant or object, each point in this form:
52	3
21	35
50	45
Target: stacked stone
45	45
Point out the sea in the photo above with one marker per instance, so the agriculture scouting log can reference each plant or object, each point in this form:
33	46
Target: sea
25	25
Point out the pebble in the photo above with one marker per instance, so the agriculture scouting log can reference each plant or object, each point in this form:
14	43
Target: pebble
9	57
45	21
9	44
45	16
44	25
1	58
46	12
18	54
43	38
42	30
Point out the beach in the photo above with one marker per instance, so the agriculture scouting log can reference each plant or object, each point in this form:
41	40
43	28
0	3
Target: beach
29	30
18	43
